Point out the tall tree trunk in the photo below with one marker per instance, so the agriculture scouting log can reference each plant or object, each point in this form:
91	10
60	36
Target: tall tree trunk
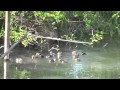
6	41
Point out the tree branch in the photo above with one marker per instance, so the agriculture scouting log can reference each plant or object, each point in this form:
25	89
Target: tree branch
59	39
8	51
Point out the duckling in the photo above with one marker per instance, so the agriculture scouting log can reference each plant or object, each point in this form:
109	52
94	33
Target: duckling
42	56
51	54
47	56
38	55
33	56
63	61
75	55
59	56
52	60
83	53
77	60
19	60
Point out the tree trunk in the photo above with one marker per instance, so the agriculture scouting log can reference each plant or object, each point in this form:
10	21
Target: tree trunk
6	41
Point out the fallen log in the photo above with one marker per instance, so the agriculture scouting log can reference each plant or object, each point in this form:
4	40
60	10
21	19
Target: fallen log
59	39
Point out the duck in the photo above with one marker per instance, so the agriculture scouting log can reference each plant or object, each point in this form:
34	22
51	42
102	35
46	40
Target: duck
75	55
59	56
53	60
38	55
83	53
51	54
19	63
63	61
77	60
42	56
19	60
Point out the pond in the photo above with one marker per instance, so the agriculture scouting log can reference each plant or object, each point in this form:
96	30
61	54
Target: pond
99	63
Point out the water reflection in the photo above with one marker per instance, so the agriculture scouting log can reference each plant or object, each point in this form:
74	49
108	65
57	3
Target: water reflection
76	69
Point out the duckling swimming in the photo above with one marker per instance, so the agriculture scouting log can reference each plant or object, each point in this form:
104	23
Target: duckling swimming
19	63
75	55
42	56
53	60
19	60
83	53
51	54
63	61
59	56
38	55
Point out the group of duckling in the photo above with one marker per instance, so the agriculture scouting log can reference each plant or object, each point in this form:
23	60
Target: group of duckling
52	57
58	58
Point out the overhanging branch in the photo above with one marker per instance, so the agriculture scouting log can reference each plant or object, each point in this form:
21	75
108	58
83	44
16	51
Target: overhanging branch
59	39
8	51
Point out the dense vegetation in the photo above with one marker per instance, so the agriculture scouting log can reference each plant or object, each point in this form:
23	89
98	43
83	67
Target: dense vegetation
72	25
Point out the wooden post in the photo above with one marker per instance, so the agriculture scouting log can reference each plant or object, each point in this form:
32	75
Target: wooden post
6	41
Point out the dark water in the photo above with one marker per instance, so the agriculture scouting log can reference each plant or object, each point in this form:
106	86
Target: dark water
99	63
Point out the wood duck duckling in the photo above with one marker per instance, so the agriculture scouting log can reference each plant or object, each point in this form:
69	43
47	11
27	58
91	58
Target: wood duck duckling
83	53
63	61
42	56
19	61
53	60
75	55
59	56
38	55
51	54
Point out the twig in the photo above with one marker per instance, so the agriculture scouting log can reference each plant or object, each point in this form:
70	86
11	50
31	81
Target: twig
1	47
53	49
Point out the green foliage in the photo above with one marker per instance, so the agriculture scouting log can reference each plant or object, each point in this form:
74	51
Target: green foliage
89	18
77	14
1	13
69	37
1	32
49	15
15	36
97	37
46	21
52	17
